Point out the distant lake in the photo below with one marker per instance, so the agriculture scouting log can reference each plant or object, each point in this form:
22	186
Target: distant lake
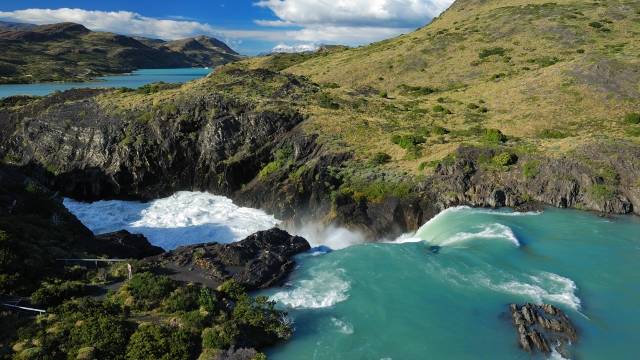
136	79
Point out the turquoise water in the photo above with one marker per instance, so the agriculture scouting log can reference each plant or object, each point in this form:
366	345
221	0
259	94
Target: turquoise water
443	293
139	78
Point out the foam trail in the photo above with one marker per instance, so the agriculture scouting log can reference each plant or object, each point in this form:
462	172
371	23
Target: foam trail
181	219
342	326
324	289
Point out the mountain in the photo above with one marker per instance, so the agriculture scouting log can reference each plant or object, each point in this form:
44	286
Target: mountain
71	52
4	25
283	48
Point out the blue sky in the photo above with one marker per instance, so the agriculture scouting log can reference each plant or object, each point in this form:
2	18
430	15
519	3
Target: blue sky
249	27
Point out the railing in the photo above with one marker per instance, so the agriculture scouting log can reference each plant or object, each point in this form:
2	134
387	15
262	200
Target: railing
15	305
94	260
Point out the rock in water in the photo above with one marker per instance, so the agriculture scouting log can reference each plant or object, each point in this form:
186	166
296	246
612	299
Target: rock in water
259	261
538	326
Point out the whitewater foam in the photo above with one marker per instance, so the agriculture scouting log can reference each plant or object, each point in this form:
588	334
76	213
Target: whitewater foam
491	231
181	219
324	289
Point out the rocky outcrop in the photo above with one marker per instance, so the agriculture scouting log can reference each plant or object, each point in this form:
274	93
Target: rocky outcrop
257	262
118	245
541	327
217	143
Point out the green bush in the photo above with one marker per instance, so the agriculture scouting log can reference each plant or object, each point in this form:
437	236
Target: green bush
438	108
505	159
207	299
599	192
449	160
379	158
493	135
383	94
269	169
632	118
472	106
54	295
153	341
407	141
149	286
551	134
185	298
326	101
489	52
232	290
221	336
595	25
530	169
439	130
261	322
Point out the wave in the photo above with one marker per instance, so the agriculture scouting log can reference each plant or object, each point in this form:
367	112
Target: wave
488	232
325	289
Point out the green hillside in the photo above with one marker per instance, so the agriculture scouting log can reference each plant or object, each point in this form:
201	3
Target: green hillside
71	52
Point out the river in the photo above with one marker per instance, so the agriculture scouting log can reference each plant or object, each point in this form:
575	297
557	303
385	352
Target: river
440	293
134	80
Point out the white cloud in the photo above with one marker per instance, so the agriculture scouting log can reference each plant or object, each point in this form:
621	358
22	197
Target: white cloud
121	22
351	22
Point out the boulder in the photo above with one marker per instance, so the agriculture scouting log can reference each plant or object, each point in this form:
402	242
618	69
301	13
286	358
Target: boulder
541	325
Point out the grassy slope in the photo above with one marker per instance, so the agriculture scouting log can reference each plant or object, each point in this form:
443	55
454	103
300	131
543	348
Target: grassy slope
581	94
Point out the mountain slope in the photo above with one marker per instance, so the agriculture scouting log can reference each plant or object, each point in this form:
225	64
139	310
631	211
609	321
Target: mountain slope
71	52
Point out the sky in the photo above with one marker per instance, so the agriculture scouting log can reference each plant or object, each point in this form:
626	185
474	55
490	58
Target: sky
248	26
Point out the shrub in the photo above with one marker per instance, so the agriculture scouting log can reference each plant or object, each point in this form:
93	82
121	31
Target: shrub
221	336
599	192
232	290
449	160
483	110
489	52
530	169
326	101
207	299
54	295
494	135
551	134
383	94
595	25
153	341
472	106
269	169
379	158
505	159
439	130
407	141
185	298
438	108
150	287
632	118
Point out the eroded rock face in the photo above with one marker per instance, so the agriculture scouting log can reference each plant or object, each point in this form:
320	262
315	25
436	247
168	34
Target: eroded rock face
541	327
257	262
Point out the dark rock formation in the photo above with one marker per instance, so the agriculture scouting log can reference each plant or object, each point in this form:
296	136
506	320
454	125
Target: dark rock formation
541	326
118	245
259	261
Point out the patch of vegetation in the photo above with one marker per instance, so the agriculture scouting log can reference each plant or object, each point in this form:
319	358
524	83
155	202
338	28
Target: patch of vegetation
493	135
551	134
407	141
599	192
505	159
379	158
632	118
326	101
490	52
415	90
439	130
530	169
